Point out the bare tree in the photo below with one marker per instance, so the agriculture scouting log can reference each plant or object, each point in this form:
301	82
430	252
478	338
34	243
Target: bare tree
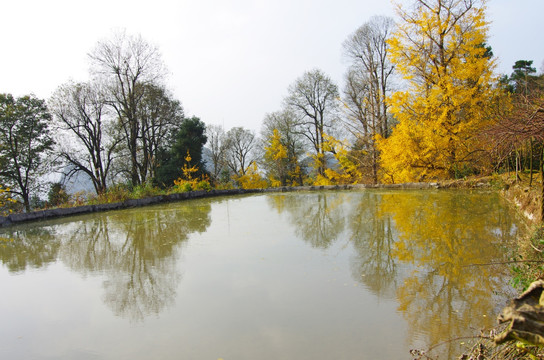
240	144
368	84
160	116
127	64
313	98
217	146
525	122
285	123
84	131
367	50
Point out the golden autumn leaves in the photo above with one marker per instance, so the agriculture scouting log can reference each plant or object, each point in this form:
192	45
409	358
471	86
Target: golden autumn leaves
434	124
447	97
439	49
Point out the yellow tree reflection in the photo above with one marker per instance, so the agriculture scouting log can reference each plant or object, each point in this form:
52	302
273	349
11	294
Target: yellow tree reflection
440	234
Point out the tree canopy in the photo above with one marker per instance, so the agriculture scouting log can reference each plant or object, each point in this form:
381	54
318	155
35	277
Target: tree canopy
313	98
367	84
129	67
86	140
25	140
438	49
189	139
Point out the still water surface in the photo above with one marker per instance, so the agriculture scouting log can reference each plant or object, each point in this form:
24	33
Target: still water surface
336	275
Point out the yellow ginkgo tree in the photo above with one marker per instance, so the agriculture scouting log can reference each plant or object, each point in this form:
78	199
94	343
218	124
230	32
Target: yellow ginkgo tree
252	179
348	167
276	155
439	49
189	181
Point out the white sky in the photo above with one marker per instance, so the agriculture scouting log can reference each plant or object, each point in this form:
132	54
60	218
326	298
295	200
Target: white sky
230	61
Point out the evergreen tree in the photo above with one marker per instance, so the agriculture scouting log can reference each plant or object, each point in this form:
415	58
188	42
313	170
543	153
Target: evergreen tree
188	139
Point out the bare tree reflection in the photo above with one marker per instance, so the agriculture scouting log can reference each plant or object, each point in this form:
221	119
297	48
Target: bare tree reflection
144	276
31	247
136	250
373	239
318	218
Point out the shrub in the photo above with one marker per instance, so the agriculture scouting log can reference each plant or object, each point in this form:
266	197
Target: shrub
252	179
187	182
116	193
203	185
183	187
7	204
57	195
144	190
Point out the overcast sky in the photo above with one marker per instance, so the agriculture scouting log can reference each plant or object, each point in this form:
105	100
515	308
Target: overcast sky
230	62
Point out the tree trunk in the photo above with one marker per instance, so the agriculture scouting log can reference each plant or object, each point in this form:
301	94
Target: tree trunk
374	164
517	165
135	177
530	162
26	202
542	185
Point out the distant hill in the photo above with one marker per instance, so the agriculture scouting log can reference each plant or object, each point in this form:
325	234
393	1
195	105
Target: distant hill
207	159
77	183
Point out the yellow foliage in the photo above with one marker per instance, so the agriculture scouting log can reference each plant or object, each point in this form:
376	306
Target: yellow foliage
449	79
275	150
348	169
188	171
321	180
252	179
5	200
318	158
276	153
187	182
295	174
274	182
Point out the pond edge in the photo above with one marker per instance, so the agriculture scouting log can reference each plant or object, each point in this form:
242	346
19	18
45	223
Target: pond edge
40	215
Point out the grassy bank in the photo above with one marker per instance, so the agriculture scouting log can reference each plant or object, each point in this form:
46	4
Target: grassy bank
529	251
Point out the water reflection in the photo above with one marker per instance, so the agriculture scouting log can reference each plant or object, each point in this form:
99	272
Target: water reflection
373	239
135	250
439	236
32	248
251	280
318	218
431	236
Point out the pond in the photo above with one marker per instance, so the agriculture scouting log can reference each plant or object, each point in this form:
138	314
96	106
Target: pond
308	275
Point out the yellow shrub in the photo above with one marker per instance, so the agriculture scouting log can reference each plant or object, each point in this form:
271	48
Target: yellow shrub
252	179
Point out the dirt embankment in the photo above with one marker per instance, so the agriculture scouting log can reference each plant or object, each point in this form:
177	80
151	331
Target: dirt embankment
526	196
520	192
